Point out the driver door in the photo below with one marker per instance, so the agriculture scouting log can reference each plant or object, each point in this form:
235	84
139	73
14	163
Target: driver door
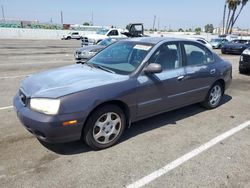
164	91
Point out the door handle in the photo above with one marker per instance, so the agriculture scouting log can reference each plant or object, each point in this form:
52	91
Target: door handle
212	71
180	78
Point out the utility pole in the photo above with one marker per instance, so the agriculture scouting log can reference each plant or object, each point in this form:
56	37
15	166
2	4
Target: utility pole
62	17
3	16
158	24
154	22
92	18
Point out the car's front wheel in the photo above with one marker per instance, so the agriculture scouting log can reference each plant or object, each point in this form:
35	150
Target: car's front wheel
214	96
104	127
242	70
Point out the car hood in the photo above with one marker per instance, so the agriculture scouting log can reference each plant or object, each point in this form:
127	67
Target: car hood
96	36
89	48
66	80
215	43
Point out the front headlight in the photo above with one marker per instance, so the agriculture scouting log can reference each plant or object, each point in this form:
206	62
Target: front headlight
46	106
246	52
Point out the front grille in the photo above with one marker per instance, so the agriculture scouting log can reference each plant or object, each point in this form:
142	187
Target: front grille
246	58
23	97
85	41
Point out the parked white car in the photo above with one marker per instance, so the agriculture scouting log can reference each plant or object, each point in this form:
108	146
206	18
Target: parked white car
72	35
203	41
101	34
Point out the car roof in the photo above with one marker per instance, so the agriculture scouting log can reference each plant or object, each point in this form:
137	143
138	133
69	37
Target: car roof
155	40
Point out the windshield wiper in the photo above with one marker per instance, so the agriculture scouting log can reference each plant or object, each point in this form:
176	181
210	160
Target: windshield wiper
89	64
97	66
103	68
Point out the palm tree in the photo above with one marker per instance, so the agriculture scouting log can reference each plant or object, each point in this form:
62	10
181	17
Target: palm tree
224	16
230	8
243	4
235	5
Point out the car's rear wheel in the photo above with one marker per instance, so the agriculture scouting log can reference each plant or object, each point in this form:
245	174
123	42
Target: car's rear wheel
104	127
214	96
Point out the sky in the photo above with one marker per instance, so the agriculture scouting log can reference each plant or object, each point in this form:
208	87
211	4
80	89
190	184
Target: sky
169	14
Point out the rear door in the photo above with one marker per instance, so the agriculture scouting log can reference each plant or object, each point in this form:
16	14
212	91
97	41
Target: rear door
200	70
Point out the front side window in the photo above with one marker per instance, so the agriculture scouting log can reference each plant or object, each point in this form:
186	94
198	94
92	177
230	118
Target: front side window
122	57
196	55
168	56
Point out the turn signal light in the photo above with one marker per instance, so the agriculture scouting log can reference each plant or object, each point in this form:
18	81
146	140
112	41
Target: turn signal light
67	123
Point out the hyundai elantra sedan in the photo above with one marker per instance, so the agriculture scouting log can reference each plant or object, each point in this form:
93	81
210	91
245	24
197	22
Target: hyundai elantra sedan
128	81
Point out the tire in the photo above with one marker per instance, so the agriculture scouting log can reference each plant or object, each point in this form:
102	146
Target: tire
214	96
68	38
104	127
242	70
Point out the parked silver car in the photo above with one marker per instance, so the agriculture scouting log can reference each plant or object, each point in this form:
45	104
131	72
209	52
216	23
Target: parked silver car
128	81
86	52
217	43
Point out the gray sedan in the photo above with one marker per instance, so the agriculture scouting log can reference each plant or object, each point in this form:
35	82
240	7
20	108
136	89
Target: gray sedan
128	81
86	52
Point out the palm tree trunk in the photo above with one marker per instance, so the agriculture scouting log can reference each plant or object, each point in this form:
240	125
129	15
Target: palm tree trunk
224	17
231	21
228	16
237	16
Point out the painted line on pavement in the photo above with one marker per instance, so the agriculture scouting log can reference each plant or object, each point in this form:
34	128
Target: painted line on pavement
6	107
158	173
52	63
9	77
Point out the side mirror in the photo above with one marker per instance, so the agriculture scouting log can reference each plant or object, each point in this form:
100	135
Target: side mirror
153	68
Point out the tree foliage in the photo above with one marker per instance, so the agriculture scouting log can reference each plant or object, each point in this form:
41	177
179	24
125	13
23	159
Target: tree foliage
209	28
86	24
180	30
233	9
197	30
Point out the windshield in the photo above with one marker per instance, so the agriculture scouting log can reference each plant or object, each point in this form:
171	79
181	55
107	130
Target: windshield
122	57
102	31
106	42
239	41
216	40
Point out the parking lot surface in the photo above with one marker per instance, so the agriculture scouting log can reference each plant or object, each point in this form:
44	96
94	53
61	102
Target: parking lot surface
146	147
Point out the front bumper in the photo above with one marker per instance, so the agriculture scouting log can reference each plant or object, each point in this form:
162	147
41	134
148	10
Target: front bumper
216	46
245	61
49	128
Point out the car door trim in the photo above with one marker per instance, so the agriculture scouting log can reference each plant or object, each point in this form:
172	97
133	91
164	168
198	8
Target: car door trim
149	102
187	92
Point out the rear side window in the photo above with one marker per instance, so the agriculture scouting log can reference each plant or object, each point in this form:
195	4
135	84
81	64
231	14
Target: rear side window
196	55
202	41
168	56
113	33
